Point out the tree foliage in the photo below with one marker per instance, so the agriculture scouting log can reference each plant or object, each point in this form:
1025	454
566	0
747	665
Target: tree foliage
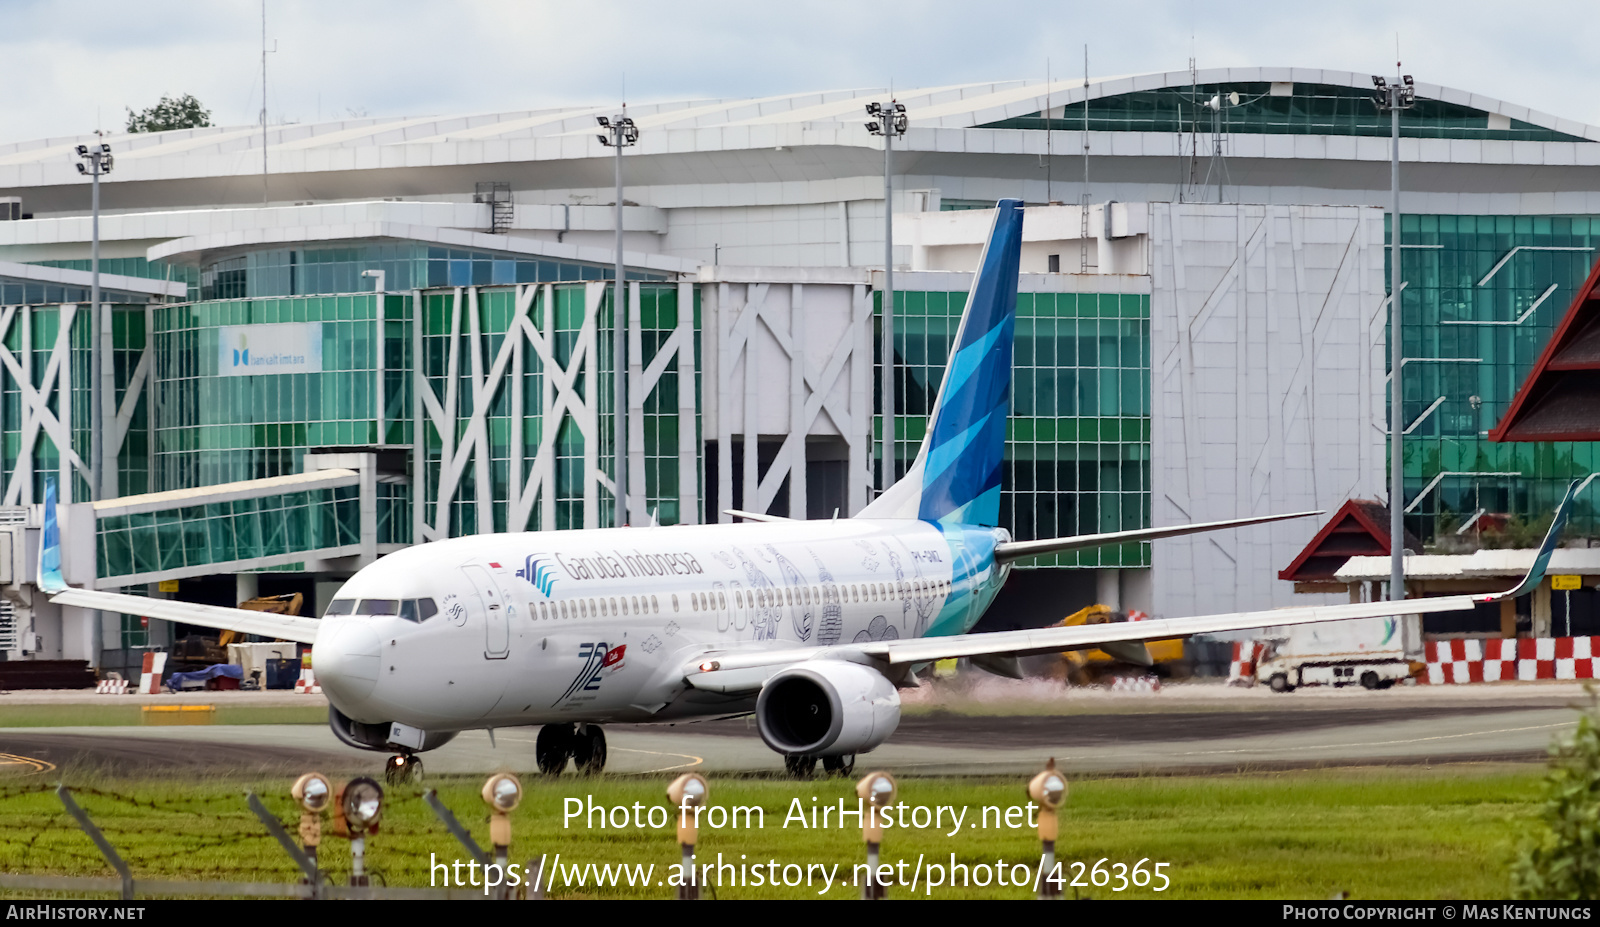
183	112
1563	861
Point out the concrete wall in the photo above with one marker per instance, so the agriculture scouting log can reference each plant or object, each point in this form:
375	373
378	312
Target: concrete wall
1267	331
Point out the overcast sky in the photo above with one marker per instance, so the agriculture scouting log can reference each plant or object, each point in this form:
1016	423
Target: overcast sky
70	67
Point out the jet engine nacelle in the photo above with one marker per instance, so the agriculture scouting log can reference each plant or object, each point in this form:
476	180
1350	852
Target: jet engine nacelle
365	736
827	708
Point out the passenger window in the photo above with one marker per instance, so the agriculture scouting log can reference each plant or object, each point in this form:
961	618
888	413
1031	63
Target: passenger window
674	601
657	608
378	607
340	607
722	600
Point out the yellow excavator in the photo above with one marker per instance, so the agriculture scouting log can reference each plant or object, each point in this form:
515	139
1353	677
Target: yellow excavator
289	604
1085	667
1090	667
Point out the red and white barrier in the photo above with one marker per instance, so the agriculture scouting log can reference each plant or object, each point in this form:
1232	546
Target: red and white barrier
307	683
1502	659
155	663
111	687
1136	684
1242	670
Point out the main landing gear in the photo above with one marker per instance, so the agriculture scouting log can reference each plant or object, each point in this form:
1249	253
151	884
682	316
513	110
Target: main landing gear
799	766
403	769
584	744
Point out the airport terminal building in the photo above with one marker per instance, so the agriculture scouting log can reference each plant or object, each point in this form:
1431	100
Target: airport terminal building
328	341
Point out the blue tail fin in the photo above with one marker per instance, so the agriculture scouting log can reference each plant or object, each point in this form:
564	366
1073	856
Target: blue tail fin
50	579
956	476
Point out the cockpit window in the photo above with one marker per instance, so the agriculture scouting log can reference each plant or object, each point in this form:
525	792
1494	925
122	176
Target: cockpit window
378	607
408	609
426	609
340	607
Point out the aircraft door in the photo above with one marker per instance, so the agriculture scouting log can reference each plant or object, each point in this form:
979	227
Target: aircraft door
496	624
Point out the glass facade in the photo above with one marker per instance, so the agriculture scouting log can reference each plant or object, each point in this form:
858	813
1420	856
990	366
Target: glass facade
1481	297
1310	109
406	265
128	267
18	292
212	428
1078	443
288	523
31	341
564	317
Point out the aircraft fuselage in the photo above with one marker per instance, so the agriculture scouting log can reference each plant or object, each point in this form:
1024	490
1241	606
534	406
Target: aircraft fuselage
598	625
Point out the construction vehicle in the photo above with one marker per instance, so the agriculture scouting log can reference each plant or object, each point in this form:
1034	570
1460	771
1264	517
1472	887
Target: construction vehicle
1099	665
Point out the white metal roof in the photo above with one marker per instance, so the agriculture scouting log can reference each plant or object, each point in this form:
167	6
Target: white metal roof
1483	564
832	117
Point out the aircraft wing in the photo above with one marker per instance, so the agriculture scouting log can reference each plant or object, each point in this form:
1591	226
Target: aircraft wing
1016	550
284	627
742	671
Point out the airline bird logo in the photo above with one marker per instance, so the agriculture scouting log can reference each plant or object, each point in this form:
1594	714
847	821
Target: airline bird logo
539	571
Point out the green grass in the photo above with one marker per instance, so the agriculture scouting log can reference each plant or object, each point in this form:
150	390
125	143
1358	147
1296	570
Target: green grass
1441	833
111	715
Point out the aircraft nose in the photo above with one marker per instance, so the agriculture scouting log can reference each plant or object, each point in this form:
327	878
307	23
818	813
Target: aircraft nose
346	661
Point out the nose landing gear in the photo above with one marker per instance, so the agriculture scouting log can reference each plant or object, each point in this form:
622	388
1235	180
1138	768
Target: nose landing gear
584	743
403	769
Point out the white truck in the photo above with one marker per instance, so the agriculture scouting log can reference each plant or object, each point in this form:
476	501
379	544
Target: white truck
1366	652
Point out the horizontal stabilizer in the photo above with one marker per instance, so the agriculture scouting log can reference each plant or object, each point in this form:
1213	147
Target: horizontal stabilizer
1016	550
283	627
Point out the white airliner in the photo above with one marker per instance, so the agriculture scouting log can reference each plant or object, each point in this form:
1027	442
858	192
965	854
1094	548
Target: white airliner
811	625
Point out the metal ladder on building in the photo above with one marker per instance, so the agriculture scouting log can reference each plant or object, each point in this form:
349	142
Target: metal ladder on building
498	195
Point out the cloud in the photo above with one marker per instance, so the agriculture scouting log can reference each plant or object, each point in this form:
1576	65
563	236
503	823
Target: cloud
92	59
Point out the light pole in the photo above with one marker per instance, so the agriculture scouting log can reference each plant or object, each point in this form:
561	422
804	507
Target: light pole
620	133
93	161
1394	98
888	120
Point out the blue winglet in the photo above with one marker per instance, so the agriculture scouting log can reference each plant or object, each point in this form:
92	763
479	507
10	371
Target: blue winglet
1551	539
50	578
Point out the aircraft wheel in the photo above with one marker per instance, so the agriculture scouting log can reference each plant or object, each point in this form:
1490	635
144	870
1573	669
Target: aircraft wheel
839	765
1369	680
589	749
799	766
553	747
402	769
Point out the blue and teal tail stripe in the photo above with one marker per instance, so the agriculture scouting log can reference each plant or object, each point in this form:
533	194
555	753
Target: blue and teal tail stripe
965	447
50	579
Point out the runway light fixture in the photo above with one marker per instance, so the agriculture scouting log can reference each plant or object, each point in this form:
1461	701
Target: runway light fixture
1048	789
313	792
502	792
878	791
358	810
688	793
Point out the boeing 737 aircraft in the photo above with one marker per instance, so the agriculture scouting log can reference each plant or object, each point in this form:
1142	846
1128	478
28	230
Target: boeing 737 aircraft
810	625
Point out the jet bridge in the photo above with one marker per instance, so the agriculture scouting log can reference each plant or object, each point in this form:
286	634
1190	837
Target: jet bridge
342	513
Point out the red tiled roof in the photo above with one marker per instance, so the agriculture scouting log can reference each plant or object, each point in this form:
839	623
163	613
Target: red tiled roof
1359	529
1560	400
